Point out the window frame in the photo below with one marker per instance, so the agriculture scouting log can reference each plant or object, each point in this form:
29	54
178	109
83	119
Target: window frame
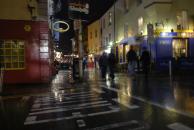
19	50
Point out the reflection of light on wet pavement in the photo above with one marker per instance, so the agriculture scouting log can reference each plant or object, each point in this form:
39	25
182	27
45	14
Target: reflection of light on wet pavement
184	99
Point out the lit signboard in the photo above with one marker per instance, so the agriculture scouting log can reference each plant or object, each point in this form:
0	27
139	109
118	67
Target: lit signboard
59	29
78	10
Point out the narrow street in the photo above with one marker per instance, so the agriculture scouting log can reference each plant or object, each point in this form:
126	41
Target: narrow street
123	104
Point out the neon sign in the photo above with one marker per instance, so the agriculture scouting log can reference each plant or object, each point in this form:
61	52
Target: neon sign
58	29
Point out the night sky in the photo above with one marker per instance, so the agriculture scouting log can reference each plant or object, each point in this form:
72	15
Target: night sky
98	8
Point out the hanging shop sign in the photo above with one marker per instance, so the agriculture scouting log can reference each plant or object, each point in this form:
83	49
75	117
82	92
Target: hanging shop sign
60	29
78	10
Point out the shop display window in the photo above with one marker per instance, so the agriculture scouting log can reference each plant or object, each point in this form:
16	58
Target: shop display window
12	54
180	48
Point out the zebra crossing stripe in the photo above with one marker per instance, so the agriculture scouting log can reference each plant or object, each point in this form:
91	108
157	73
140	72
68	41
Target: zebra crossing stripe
120	124
179	126
81	123
55	107
98	90
68	118
74	107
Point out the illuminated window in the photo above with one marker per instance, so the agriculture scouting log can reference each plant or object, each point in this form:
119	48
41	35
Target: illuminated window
180	48
126	5
140	24
104	23
90	35
96	33
12	55
110	18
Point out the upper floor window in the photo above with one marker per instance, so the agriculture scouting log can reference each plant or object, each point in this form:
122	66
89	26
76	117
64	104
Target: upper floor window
126	5
96	33
12	54
109	37
90	35
126	30
140	24
182	20
110	18
104	23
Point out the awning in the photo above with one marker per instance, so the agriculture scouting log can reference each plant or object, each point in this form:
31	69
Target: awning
129	40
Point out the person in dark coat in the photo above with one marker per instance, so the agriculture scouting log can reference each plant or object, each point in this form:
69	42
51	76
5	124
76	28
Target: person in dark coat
103	62
111	64
131	60
145	60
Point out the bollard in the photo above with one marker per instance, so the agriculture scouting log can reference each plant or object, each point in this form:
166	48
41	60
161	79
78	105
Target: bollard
170	69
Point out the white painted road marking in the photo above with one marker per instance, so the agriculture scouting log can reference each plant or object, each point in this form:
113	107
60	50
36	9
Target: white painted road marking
98	90
64	102
126	105
118	125
179	126
81	123
69	109
68	118
55	107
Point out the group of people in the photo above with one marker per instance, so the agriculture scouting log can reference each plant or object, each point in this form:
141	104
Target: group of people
108	61
133	60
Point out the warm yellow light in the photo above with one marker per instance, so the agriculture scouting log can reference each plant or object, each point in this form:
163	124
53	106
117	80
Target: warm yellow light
61	29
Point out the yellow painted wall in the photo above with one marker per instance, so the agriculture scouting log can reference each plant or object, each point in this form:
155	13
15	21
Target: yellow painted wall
94	43
15	10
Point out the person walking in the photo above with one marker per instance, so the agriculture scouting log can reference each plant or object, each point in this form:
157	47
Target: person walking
131	60
112	64
145	60
103	61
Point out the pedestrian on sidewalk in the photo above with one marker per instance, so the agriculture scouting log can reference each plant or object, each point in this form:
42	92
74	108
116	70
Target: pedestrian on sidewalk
131	60
103	61
112	64
145	60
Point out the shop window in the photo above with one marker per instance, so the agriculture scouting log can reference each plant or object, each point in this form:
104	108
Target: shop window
180	48
12	54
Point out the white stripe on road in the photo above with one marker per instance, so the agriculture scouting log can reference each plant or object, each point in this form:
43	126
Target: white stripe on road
126	105
153	103
118	125
71	117
104	112
55	107
179	126
64	102
81	123
98	90
35	106
69	109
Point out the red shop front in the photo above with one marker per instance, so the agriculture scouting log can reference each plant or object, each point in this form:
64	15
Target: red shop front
25	51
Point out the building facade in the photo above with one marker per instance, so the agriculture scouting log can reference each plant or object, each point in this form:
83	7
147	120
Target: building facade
165	27
107	29
25	51
94	38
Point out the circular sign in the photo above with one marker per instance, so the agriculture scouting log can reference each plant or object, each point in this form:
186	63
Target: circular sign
58	29
27	28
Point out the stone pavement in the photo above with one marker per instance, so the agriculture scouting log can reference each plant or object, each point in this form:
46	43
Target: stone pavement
126	103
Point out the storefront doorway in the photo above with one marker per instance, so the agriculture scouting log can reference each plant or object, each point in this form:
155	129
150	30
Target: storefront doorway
180	48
